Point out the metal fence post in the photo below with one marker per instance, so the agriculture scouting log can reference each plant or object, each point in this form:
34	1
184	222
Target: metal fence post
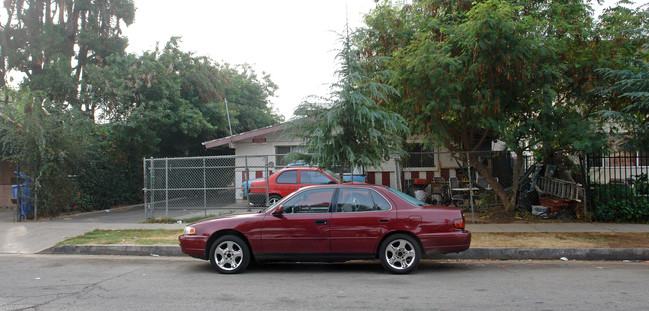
267	194
204	187
166	187
468	159
145	190
247	179
586	183
397	172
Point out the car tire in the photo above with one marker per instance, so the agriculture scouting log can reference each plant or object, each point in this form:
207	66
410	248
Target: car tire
400	253
230	254
273	198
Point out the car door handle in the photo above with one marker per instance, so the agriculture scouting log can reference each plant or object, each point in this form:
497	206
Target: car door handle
321	222
384	220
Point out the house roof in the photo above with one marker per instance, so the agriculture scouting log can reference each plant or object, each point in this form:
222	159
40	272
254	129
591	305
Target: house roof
243	136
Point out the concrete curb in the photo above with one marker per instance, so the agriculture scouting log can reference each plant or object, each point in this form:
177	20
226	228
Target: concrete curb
117	250
516	253
500	253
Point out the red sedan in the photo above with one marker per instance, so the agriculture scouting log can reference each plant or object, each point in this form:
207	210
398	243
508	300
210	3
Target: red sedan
336	222
286	181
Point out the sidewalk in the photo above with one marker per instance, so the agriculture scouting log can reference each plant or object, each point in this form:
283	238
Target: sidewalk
40	237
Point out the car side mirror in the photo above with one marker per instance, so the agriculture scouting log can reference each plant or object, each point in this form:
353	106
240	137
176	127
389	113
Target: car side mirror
278	211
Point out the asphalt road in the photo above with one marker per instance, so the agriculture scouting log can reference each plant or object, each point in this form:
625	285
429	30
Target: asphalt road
62	282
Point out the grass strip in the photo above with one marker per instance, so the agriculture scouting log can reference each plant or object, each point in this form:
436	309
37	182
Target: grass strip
129	236
479	239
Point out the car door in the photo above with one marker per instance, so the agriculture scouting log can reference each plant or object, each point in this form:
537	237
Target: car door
303	227
285	183
360	218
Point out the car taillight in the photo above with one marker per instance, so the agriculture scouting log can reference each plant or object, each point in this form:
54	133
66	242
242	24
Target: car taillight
459	223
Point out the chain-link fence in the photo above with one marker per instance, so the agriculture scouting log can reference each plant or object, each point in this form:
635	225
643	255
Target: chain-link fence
441	178
202	183
488	186
188	183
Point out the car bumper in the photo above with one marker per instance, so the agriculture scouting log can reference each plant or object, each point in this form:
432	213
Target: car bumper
193	245
446	242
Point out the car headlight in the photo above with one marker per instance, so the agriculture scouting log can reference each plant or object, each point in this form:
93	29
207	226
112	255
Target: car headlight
189	230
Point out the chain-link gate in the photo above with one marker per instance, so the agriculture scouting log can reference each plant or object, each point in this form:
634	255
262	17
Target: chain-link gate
202	183
188	183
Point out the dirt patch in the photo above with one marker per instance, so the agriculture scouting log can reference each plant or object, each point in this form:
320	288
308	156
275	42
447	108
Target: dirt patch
561	239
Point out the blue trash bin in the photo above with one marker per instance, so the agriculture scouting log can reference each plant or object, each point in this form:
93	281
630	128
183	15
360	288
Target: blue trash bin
25	199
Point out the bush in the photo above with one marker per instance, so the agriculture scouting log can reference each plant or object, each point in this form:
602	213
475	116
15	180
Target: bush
619	203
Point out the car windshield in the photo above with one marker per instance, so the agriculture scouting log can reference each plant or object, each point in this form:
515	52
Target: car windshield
407	198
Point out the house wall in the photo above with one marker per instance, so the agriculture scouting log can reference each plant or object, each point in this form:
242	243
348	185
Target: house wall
619	174
255	156
254	153
386	173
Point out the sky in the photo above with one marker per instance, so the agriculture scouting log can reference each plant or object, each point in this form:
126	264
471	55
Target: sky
294	41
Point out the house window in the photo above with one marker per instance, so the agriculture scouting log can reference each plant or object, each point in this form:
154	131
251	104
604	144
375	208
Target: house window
419	156
281	151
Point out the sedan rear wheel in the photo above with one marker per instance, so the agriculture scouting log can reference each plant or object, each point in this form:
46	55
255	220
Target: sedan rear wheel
400	253
229	254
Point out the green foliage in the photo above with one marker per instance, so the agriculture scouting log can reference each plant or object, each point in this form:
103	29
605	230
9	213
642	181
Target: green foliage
174	100
350	128
165	102
49	144
54	42
630	88
619	203
518	71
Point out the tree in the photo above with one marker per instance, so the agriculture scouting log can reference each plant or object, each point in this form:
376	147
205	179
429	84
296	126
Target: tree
349	128
49	144
518	71
631	86
179	98
626	88
54	42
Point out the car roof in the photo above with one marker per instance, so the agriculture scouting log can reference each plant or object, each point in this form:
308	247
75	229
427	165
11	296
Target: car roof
347	185
302	168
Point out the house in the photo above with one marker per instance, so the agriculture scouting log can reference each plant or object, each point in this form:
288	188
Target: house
260	152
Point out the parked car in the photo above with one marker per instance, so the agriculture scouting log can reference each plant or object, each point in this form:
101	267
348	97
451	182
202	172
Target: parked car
245	186
286	181
331	223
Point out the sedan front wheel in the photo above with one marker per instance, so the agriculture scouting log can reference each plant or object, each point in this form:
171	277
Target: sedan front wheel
400	254
229	254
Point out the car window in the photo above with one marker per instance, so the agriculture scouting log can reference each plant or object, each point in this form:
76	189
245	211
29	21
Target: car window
380	202
288	177
313	177
309	201
360	200
406	197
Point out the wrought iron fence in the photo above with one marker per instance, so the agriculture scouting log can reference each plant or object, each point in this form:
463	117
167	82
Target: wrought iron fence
619	186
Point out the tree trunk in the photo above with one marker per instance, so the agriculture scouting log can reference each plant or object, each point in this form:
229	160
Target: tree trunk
507	198
341	172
